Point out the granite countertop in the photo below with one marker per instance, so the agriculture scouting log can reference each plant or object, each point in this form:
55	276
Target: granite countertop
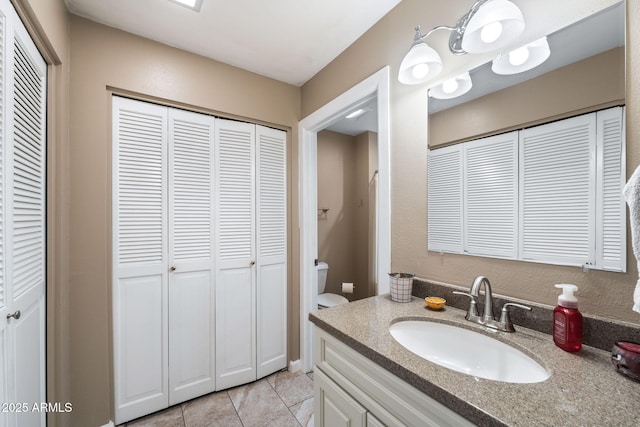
584	388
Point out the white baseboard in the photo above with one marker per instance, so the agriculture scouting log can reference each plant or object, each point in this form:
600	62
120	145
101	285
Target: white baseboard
294	365
109	424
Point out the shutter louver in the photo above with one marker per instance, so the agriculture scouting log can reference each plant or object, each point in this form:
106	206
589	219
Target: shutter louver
28	174
192	187
445	199
272	190
235	189
557	191
611	231
141	141
491	196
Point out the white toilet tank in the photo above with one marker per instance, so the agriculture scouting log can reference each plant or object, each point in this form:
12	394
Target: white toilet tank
323	269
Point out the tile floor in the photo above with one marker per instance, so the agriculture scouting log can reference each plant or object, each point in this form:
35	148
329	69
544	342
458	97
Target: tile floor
281	400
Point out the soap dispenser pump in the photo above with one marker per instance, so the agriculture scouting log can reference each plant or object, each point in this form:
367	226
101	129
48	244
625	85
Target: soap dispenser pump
567	320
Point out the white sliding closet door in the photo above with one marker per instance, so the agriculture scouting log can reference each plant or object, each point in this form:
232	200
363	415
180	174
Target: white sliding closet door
140	288
272	250
235	231
191	252
22	223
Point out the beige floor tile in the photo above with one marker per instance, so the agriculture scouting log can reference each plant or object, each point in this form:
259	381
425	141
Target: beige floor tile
258	405
171	417
292	388
303	412
212	410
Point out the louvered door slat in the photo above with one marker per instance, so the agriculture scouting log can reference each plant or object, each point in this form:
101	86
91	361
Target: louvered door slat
557	192
28	174
611	222
141	187
444	208
491	196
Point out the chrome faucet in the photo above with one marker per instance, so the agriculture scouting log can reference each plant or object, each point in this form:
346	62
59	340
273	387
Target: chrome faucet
487	319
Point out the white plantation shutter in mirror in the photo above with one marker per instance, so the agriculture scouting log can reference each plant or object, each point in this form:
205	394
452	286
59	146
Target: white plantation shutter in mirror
491	196
558	192
611	231
445	207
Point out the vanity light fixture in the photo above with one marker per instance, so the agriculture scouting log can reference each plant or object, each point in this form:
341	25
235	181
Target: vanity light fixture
191	4
452	88
523	58
489	25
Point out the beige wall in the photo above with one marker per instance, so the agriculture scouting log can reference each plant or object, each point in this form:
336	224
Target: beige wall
345	170
601	293
584	86
105	60
336	192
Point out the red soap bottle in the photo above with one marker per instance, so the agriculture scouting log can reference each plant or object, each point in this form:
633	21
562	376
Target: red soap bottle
567	320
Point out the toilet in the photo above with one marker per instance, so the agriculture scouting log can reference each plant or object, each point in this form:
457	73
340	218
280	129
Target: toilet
326	300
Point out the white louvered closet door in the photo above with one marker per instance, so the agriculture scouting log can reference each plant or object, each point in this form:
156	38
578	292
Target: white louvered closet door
22	222
445	207
557	191
191	255
272	250
235	253
140	258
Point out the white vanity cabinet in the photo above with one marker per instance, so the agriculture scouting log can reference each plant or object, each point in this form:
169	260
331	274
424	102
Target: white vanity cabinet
351	390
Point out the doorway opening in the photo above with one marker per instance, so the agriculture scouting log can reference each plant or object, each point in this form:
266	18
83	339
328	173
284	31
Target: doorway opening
375	87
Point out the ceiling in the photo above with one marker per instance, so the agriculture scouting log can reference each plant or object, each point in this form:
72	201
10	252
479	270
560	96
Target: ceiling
287	40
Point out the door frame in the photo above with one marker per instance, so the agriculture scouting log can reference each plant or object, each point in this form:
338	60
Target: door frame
375	86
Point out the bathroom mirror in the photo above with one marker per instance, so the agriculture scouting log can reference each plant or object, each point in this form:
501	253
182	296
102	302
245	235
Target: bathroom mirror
499	103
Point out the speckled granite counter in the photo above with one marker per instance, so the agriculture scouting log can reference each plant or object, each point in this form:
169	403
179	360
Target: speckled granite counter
584	389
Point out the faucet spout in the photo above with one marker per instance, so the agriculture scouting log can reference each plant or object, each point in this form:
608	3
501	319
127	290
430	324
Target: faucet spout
488	298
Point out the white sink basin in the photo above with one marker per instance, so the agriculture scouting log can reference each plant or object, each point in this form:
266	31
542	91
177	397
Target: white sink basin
467	351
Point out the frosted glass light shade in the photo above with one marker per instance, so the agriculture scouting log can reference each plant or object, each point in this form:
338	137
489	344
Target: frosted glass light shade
507	14
538	53
419	65
452	88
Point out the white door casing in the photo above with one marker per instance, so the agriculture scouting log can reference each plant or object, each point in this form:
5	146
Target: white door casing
377	85
22	224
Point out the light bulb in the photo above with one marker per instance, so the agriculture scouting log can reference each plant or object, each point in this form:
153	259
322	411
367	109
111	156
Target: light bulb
450	86
419	71
519	56
491	32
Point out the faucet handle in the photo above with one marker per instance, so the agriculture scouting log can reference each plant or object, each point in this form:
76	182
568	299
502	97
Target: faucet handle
505	320
473	307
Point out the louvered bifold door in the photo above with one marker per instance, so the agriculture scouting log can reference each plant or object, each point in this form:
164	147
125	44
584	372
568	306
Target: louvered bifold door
557	192
191	255
611	232
491	196
271	243
140	267
23	245
235	253
445	203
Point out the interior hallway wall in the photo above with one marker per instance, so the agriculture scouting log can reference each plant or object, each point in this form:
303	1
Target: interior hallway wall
106	60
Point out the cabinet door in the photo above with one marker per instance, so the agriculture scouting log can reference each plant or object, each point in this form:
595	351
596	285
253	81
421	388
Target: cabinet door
272	251
139	258
235	253
333	407
191	254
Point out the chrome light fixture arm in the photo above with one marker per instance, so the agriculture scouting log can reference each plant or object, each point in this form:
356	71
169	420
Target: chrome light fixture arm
455	40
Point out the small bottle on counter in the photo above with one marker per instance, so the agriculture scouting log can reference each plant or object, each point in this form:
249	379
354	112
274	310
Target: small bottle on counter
567	320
